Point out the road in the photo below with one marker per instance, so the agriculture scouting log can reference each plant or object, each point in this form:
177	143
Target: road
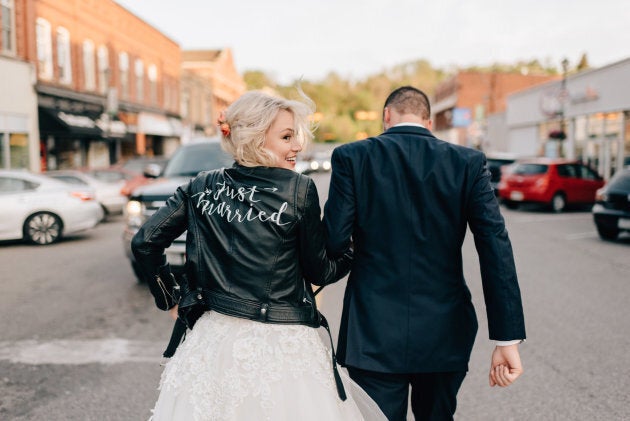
81	340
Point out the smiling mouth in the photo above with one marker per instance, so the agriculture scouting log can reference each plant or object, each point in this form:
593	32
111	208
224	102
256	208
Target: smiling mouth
292	159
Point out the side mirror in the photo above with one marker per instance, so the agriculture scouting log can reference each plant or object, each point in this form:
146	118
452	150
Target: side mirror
152	171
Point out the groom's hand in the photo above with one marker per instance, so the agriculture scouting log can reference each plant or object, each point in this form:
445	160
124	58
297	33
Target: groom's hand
505	366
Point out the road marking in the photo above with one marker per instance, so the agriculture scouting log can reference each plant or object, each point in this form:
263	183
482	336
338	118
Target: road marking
85	351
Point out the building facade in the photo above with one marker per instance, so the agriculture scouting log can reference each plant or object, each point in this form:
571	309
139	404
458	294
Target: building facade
463	103
585	116
107	83
19	144
210	83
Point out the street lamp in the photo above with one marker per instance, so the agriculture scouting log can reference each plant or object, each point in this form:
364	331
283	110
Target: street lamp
563	95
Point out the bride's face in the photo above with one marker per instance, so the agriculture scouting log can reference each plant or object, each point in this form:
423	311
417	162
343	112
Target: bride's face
281	141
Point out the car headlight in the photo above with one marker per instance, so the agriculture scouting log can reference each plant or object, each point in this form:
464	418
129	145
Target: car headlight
601	195
326	165
314	165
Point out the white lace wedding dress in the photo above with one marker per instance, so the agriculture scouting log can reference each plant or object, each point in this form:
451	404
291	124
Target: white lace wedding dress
236	369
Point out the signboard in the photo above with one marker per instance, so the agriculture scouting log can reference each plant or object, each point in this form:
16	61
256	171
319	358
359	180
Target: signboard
462	117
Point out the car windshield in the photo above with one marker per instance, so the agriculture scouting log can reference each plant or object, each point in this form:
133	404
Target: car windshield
620	182
191	160
529	169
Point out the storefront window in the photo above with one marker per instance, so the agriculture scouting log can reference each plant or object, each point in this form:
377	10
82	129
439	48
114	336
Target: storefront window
3	157
18	150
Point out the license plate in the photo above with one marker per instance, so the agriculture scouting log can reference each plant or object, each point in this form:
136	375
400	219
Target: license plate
516	195
623	224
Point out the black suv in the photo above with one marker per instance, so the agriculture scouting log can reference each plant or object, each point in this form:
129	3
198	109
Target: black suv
495	162
187	161
611	211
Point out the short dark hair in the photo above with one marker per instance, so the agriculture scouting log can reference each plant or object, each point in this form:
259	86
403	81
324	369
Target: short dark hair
409	100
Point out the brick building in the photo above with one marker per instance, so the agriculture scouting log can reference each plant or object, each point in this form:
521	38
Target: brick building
215	70
107	83
19	136
463	103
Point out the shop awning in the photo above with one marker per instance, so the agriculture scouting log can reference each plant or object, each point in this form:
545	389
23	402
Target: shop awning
62	123
159	125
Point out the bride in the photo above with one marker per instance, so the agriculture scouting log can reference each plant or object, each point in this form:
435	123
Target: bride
255	244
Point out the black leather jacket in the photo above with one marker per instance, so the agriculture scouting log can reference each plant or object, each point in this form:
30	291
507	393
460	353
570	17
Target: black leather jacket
254	245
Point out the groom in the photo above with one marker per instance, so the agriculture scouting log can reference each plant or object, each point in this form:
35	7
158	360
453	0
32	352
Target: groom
405	200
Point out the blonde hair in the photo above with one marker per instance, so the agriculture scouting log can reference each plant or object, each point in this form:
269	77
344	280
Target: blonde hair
249	118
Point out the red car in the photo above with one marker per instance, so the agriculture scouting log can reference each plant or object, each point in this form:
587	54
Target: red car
553	182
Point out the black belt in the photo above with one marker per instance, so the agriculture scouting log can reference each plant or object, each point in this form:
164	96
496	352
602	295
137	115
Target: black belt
261	312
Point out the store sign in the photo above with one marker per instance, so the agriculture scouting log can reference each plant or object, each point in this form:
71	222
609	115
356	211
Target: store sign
76	120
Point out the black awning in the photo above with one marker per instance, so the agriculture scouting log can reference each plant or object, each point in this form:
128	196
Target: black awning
61	123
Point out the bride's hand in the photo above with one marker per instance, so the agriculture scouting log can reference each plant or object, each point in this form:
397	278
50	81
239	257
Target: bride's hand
173	312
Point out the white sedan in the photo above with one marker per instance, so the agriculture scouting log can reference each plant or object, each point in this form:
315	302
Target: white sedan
107	193
41	210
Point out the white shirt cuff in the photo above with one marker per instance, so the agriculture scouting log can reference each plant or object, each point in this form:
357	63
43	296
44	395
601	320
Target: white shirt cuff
507	343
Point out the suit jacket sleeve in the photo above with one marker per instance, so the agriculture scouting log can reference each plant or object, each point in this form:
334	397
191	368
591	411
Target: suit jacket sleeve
498	273
339	211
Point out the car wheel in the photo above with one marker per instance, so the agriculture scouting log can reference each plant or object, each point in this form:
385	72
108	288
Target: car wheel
607	233
42	228
558	202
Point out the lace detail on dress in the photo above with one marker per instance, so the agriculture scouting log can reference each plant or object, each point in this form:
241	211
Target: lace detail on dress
227	362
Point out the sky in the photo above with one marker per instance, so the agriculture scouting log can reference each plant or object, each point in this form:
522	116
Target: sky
292	39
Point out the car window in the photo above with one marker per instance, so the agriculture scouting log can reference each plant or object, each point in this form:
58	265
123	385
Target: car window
13	185
529	169
566	170
586	172
621	182
191	160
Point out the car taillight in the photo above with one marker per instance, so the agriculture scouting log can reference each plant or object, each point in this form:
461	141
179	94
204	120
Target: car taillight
83	195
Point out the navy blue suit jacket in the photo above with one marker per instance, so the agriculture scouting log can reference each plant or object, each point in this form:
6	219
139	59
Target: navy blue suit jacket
405	198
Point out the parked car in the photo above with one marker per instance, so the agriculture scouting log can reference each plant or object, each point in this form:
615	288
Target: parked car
554	182
41	210
317	162
110	174
107	193
611	211
495	162
187	161
145	170
138	164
